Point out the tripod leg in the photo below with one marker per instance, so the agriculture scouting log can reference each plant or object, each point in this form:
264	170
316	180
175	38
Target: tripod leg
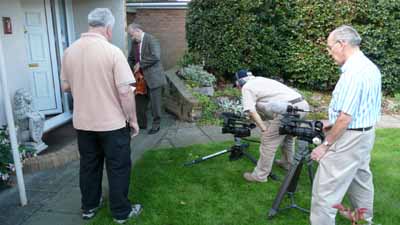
201	159
283	189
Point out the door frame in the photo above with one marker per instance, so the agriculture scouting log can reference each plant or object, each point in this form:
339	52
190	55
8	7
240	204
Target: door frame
66	115
53	58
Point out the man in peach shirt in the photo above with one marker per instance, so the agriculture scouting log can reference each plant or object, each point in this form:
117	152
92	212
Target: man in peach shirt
100	80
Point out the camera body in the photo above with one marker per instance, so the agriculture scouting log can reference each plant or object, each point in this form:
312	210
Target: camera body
236	125
307	130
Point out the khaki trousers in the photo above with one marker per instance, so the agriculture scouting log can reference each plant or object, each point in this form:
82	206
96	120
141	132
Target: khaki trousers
270	141
344	168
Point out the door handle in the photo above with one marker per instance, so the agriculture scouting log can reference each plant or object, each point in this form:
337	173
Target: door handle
33	65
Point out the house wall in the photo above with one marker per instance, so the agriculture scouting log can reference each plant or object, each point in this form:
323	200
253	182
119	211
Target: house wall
14	51
81	9
168	26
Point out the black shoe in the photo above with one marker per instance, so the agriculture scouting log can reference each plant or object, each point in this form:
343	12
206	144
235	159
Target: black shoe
154	130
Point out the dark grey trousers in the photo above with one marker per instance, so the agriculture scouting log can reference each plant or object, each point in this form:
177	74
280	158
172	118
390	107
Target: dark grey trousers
114	148
154	95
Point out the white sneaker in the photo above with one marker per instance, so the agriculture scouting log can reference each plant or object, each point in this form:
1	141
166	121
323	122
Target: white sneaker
136	210
89	214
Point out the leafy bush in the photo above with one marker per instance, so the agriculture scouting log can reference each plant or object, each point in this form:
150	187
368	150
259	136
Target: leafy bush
288	38
196	76
189	58
6	158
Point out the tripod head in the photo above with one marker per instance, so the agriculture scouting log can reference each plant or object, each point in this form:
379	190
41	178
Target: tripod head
237	125
306	130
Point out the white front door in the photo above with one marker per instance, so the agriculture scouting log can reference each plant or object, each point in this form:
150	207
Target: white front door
42	64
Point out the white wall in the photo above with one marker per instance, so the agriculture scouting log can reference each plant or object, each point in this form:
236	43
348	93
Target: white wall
14	51
81	9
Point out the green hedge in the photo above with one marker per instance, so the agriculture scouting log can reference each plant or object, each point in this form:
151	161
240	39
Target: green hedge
288	38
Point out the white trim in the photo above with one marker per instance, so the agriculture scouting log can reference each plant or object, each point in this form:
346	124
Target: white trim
70	21
11	128
160	5
53	59
57	121
65	104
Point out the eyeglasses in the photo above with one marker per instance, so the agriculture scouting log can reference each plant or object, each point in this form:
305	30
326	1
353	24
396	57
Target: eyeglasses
329	48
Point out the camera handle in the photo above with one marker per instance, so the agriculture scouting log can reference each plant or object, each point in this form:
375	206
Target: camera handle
289	185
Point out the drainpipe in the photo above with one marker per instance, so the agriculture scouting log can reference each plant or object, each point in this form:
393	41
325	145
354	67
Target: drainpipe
11	128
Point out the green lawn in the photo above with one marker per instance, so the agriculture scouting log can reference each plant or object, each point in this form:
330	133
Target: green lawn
214	192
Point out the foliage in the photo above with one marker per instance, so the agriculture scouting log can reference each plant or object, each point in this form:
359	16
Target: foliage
231	105
6	158
189	58
288	38
228	92
214	192
209	109
356	216
196	76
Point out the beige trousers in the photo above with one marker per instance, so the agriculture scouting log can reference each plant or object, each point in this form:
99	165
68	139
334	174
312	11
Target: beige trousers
270	141
344	168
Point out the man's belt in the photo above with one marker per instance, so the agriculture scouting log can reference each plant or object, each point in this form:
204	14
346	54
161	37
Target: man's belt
296	100
360	129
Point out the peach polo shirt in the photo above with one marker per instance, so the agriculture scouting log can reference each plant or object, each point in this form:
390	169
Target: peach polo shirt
94	69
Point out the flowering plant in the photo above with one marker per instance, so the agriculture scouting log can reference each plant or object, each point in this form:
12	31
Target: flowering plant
6	160
356	216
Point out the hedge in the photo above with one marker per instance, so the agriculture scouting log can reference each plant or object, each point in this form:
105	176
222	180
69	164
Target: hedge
288	38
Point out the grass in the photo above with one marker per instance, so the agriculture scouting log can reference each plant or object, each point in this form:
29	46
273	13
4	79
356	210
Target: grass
214	192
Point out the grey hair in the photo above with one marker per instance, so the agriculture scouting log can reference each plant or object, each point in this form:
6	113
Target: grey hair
135	26
101	17
348	34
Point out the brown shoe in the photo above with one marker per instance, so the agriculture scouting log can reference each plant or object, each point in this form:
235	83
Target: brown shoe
281	164
250	178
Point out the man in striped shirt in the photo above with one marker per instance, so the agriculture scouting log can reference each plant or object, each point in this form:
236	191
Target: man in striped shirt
345	154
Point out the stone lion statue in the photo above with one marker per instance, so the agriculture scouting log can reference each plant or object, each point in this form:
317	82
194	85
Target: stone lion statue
30	122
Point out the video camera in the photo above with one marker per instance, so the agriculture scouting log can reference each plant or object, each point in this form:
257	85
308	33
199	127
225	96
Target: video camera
237	125
307	130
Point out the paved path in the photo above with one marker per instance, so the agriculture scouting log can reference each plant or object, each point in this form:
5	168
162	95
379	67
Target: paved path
54	197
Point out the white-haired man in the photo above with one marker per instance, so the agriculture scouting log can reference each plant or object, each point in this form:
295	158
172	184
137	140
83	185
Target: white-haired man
345	155
260	95
100	80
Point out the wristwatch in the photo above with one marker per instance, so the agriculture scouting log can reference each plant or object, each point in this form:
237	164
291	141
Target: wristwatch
326	143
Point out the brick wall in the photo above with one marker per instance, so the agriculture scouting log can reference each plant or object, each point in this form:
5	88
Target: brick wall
168	26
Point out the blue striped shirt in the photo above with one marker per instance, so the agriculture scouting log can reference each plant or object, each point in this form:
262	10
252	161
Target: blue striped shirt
358	92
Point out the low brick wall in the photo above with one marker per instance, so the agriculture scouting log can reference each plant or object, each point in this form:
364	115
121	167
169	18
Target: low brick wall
52	160
178	100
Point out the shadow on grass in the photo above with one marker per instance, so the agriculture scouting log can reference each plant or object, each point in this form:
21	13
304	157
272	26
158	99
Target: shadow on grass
214	192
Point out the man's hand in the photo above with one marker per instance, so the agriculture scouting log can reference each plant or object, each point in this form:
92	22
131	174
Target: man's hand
326	125
319	152
134	128
136	68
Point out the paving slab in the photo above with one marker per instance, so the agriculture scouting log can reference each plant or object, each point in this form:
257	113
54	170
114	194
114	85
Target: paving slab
389	121
54	218
188	136
68	200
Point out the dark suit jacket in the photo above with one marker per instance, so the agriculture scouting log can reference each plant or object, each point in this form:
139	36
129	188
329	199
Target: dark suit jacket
150	63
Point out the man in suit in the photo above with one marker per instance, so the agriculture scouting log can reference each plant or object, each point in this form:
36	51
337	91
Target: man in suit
145	55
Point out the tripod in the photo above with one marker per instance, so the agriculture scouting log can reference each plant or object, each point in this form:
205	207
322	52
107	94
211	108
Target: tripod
238	150
289	185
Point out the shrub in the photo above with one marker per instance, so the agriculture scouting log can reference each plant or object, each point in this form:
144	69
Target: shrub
6	158
196	76
288	38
